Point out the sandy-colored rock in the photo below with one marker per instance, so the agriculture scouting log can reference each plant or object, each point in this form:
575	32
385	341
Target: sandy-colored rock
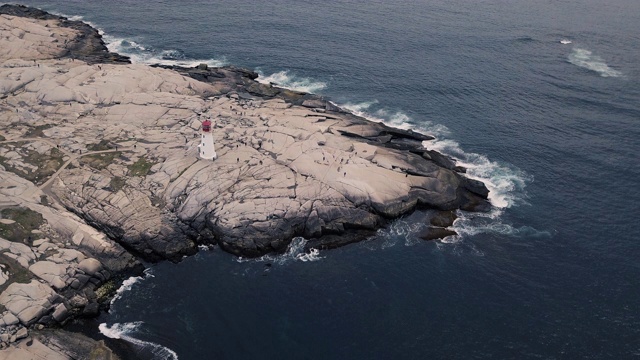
10	319
27	301
54	274
90	266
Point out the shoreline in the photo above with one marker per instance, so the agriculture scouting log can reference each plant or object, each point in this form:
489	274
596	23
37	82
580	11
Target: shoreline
291	164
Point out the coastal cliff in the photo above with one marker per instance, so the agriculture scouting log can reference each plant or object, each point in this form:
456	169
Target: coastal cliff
99	169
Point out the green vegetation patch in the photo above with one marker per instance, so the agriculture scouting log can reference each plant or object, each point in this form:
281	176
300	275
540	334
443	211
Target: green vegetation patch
37	131
102	145
99	161
25	219
2	138
17	273
46	164
106	291
117	183
141	167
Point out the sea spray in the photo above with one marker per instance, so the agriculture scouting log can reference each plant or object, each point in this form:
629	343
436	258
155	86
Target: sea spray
125	331
290	81
505	182
140	54
295	252
587	60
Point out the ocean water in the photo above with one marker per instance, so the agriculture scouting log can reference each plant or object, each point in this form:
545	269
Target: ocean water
539	99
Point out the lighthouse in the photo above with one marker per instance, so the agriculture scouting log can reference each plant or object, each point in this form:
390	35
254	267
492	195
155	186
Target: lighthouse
207	150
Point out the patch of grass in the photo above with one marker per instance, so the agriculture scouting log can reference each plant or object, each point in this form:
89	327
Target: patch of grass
117	183
17	273
26	220
106	291
47	164
140	167
2	138
99	161
37	131
102	145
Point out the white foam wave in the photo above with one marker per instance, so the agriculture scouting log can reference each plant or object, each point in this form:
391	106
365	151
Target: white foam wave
469	223
289	81
505	183
565	41
587	60
124	331
205	247
393	118
141	54
358	108
295	252
126	286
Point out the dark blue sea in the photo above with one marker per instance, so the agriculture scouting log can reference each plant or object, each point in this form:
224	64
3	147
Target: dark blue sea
538	98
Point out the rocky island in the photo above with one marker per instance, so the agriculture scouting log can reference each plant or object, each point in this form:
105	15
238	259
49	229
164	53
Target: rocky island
99	171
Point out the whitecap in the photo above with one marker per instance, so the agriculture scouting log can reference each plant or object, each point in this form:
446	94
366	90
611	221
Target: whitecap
290	81
358	108
470	224
126	286
587	60
565	41
124	331
295	252
140	54
505	183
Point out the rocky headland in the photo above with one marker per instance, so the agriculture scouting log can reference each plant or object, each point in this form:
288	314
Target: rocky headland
99	171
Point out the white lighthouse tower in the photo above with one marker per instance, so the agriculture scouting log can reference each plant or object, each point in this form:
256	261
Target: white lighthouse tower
207	150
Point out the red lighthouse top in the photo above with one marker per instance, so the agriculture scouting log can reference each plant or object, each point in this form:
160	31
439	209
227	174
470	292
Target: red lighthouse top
206	126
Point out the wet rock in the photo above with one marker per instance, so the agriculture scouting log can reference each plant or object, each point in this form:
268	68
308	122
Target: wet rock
433	233
91	310
443	219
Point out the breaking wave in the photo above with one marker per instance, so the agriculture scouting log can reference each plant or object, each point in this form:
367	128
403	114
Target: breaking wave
125	331
587	60
126	286
487	223
289	81
505	182
295	252
141	54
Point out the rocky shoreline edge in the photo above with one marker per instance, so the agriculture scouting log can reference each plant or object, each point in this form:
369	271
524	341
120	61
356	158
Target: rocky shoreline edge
100	172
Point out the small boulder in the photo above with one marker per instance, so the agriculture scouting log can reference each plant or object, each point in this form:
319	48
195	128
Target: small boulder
443	219
91	310
60	313
90	266
433	233
10	319
22	333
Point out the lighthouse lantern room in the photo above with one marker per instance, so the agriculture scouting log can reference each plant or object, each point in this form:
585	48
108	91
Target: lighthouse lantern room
207	149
